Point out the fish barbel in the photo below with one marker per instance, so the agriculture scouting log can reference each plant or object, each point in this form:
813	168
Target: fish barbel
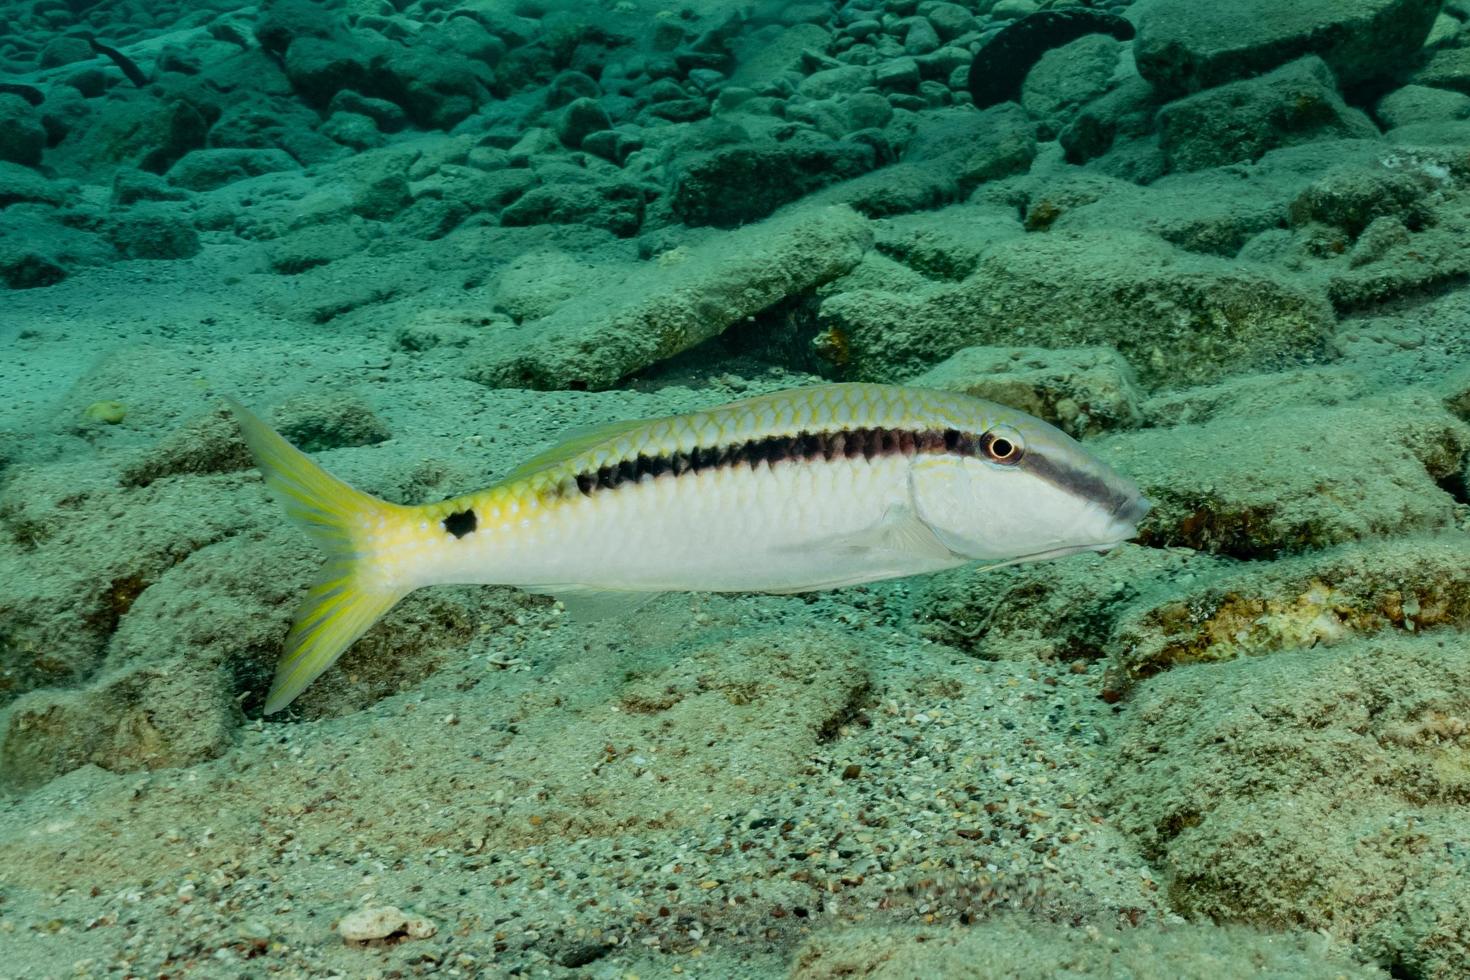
806	489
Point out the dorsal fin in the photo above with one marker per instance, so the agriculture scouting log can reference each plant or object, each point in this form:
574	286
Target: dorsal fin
573	443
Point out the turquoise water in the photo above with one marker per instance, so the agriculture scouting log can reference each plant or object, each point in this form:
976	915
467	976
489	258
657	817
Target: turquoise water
1222	246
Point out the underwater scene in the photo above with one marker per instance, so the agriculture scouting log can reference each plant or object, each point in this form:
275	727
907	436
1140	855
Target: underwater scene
636	489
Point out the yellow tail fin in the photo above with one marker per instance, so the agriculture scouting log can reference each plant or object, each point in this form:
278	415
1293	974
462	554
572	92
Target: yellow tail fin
344	602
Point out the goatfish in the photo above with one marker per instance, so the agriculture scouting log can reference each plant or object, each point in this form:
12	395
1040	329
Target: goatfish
813	488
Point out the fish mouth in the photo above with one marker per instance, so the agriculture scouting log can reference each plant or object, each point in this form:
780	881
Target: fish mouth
1135	509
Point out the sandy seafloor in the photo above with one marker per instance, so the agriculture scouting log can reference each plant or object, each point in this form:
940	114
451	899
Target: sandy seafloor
1237	747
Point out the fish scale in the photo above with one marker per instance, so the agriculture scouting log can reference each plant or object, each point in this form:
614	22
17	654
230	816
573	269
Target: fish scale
811	488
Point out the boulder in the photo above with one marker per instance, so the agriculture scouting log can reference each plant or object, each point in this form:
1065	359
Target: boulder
1178	318
1303	489
22	136
1297	103
616	205
1081	391
1292	788
668	305
738	184
1183	46
203	170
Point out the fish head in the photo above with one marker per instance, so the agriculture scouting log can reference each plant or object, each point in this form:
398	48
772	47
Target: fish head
1020	489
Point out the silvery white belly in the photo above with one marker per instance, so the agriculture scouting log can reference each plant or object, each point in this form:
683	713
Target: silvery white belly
789	527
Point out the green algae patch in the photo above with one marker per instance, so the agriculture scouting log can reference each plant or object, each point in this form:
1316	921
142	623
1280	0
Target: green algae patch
106	412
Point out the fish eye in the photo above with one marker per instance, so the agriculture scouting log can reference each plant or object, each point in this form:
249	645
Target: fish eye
1003	445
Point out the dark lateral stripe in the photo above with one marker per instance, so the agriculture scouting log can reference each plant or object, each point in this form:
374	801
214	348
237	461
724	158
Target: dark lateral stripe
803	447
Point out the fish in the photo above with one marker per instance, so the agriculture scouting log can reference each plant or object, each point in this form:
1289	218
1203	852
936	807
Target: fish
807	489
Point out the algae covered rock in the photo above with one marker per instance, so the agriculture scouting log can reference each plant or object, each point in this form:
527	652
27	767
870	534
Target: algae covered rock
1177	318
1083	392
1320	789
1354	592
141	718
1184	46
22	137
203	170
1306	485
1297	103
674	302
738	184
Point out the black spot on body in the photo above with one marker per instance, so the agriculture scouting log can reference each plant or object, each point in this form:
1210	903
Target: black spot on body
461	522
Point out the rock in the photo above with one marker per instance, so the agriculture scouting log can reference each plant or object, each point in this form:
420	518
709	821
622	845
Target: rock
1065	79
581	117
137	718
568	86
85	564
317	422
1347	594
612	145
353	130
1211	213
1300	491
389	117
1178	318
1390	260
479	192
204	170
1421	104
615	205
1126	112
65	50
897	75
282	21
1279	789
436	89
319	68
835	81
20	185
949	243
152	231
129	186
378	184
36	249
22	137
1256	395
671	304
1026	946
920	38
1351	196
1184	47
149	134
316	244
1448	68
1297	103
208	443
768	52
384	922
1005	144
738	184
1082	392
950	20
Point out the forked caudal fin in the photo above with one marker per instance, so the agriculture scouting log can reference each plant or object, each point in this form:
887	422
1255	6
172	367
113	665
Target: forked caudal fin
344	602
